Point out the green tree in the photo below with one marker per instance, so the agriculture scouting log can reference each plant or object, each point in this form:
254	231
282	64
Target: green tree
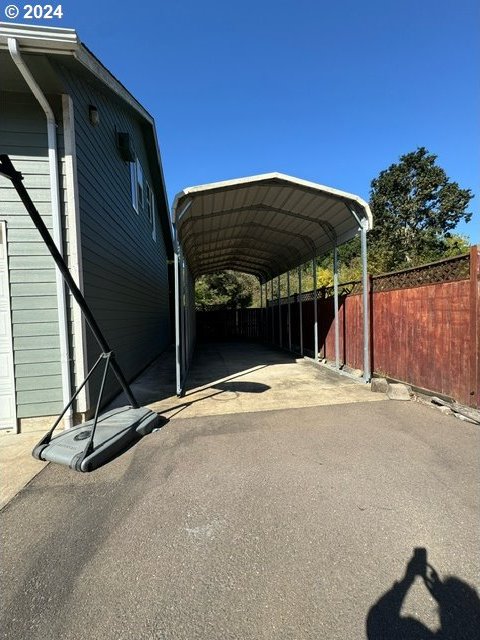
415	207
228	289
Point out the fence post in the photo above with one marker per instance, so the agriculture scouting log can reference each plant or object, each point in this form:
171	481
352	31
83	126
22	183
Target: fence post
371	341
474	400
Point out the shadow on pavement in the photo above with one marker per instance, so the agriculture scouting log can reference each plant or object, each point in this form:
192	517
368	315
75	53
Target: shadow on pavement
458	607
242	387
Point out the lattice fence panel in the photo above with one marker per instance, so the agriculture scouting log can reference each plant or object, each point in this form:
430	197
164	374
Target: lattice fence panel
449	270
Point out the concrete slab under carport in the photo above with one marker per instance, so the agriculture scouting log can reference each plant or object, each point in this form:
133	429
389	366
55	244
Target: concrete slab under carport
242	377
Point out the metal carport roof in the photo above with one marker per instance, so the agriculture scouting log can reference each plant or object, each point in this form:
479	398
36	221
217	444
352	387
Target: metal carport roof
265	224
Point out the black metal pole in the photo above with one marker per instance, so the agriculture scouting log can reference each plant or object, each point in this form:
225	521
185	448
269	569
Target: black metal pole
8	170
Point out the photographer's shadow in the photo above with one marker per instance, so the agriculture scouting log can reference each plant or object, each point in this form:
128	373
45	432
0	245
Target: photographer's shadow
458	607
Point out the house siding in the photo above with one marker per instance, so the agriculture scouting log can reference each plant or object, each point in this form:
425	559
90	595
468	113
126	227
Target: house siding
32	276
125	275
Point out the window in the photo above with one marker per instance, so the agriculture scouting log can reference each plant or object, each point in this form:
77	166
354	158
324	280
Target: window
142	195
150	208
133	184
148	201
139	184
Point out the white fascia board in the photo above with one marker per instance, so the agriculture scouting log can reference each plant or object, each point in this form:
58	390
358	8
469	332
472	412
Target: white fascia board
39	38
344	195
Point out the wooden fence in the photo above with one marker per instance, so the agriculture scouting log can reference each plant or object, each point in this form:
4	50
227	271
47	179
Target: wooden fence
424	326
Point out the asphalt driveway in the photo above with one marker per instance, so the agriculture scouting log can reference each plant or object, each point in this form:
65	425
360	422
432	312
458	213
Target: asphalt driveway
290	524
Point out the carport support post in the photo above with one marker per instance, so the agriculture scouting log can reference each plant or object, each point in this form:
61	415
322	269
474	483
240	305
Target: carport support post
289	313
315	310
279	314
177	323
366	318
300	316
261	302
335	307
183	316
265	314
273	317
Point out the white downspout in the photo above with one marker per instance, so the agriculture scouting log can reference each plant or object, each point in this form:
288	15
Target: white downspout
57	222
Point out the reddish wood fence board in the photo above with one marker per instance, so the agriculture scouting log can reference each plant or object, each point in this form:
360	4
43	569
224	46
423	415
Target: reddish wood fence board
421	336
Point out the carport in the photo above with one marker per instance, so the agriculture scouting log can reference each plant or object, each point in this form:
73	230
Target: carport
266	225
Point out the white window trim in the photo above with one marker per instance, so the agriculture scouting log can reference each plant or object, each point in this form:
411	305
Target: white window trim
137	182
154	215
140	185
148	200
133	184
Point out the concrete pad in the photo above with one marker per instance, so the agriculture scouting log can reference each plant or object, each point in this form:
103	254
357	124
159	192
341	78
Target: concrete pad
17	465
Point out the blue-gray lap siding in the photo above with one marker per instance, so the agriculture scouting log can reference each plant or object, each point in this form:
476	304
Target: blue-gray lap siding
31	269
125	272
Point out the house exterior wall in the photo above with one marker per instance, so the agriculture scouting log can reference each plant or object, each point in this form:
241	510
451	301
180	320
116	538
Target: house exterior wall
125	276
123	259
35	331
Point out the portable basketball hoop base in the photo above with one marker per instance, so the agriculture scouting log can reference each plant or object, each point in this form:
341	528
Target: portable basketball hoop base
113	432
97	441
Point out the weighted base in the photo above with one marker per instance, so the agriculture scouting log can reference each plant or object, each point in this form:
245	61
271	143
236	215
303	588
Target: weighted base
115	429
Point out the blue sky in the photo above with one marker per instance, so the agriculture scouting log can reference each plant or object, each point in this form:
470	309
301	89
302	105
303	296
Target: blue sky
331	92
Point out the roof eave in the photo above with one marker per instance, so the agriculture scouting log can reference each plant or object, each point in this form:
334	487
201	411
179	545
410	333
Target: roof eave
56	40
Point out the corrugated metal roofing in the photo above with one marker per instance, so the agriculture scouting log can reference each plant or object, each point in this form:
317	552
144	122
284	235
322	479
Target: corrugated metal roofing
265	224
